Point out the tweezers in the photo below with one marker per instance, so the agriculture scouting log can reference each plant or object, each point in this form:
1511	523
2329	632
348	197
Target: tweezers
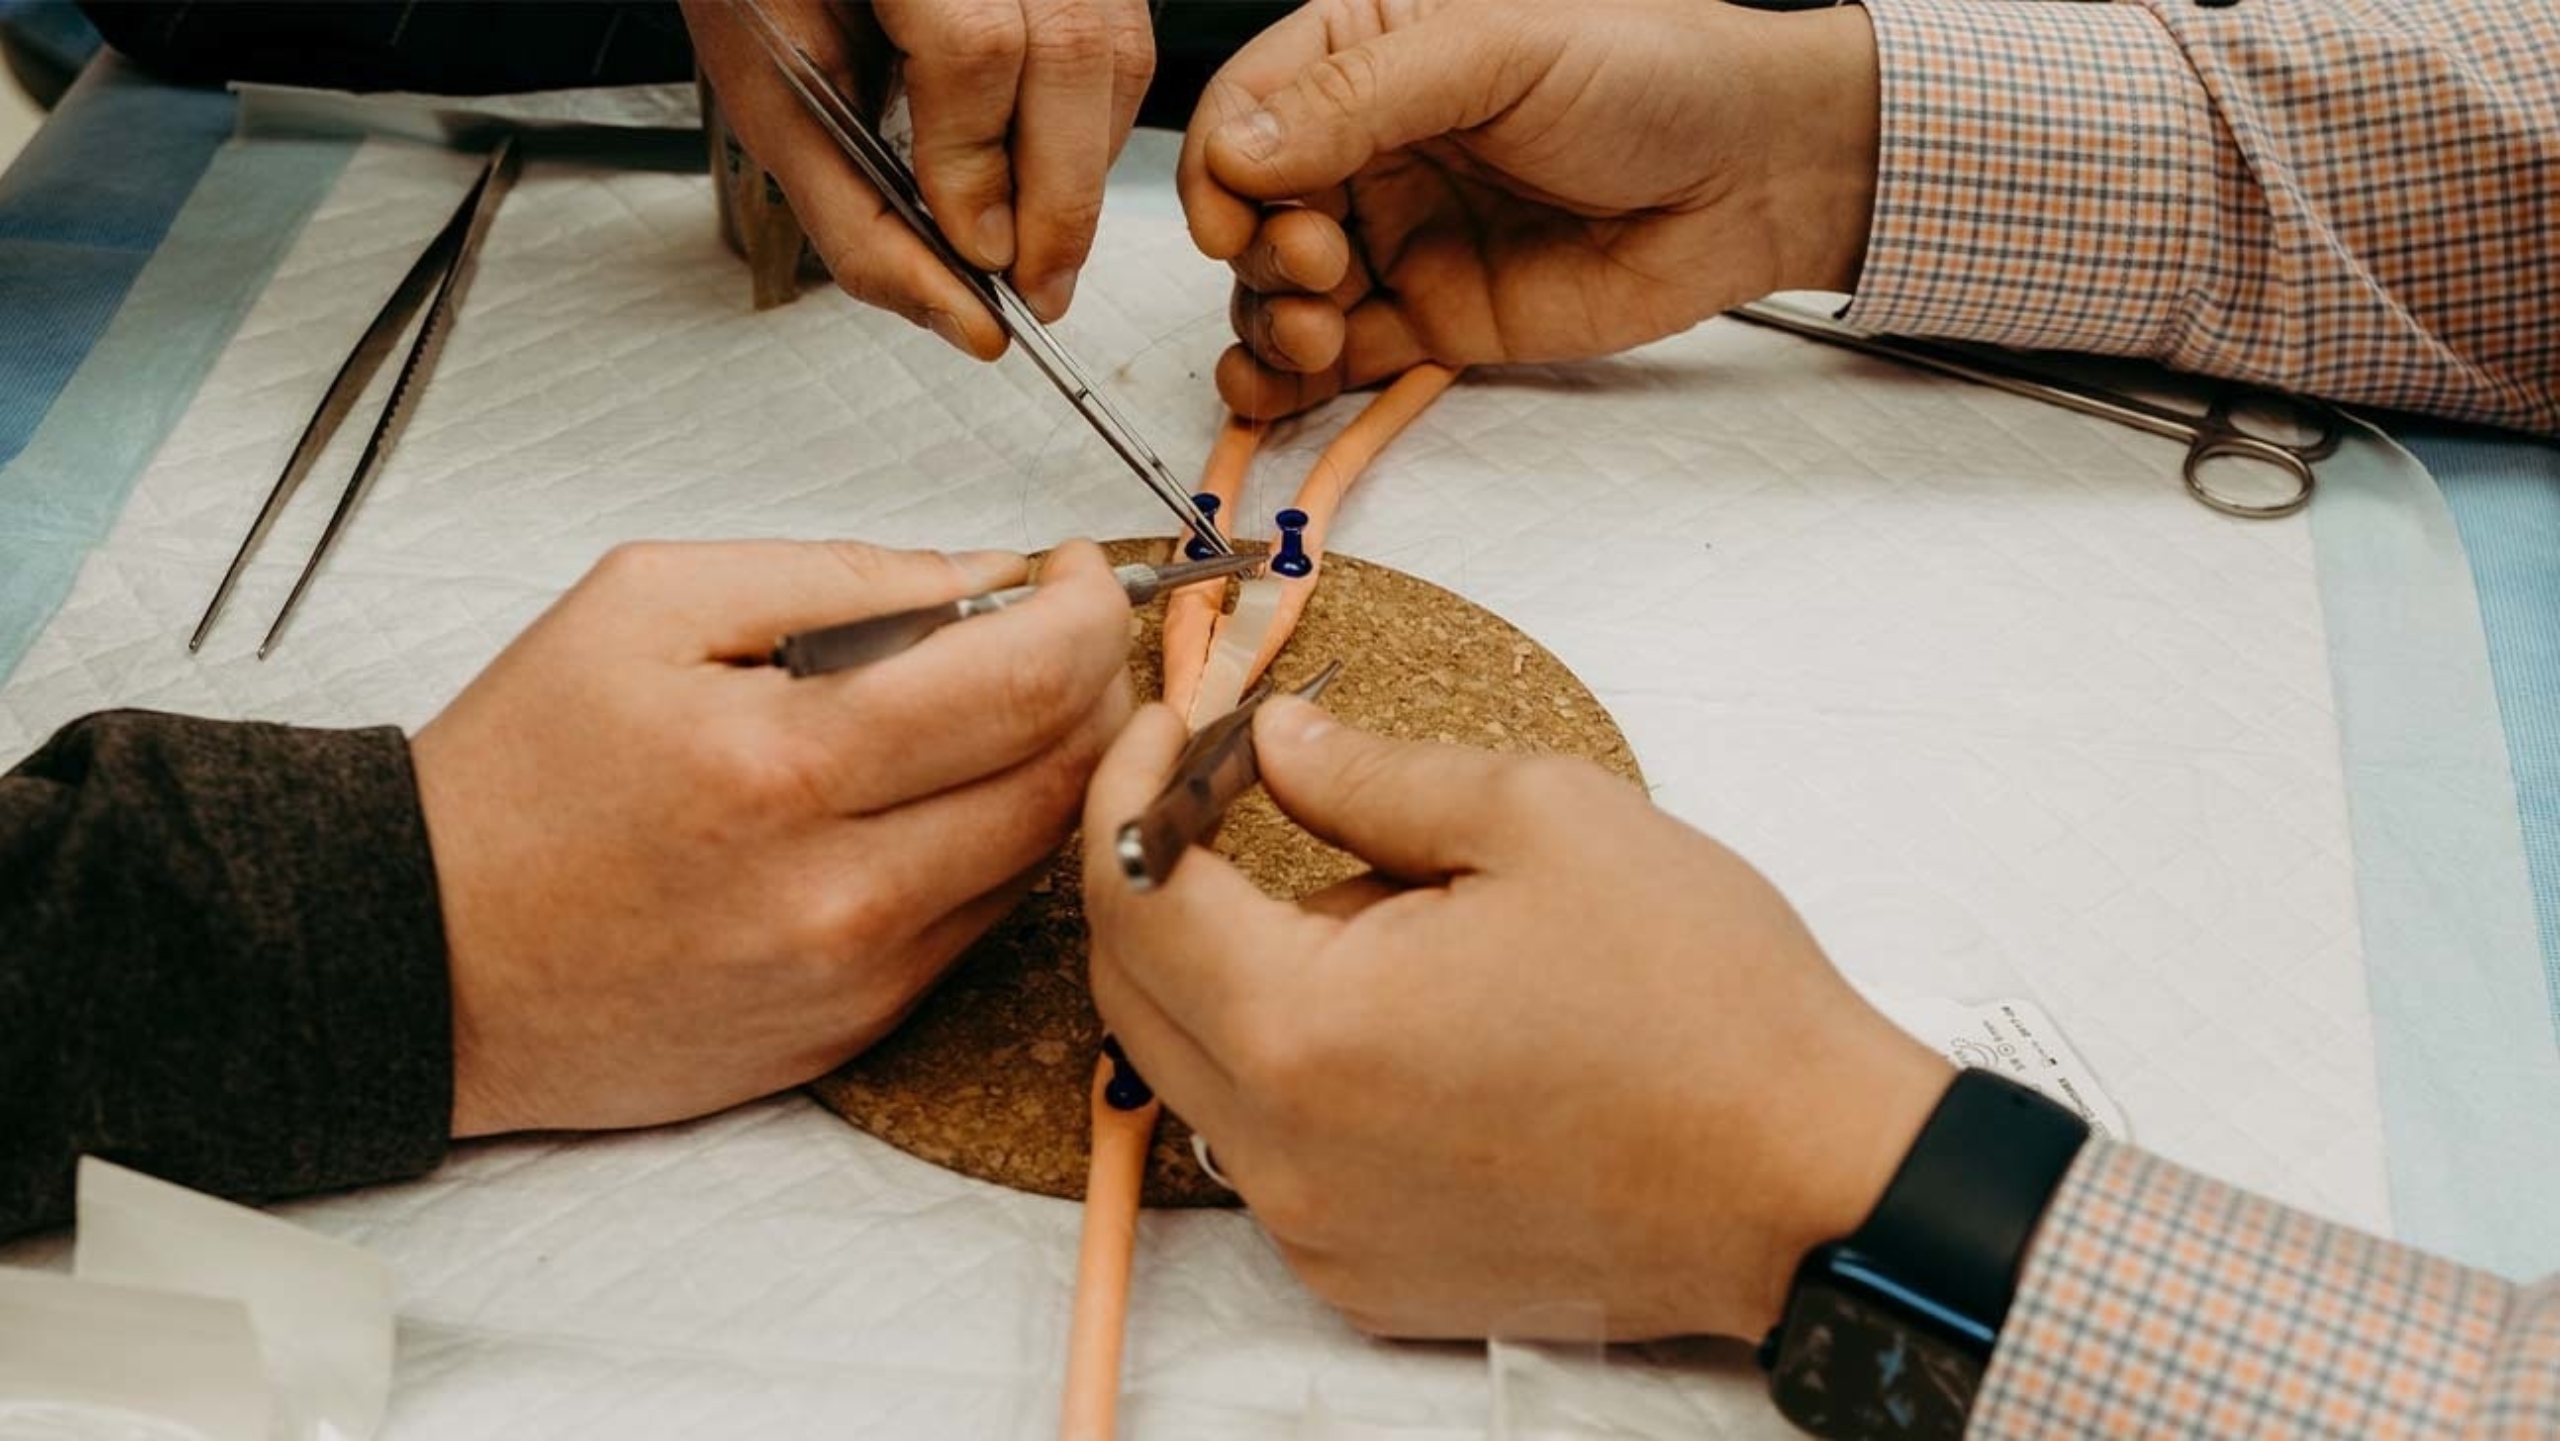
443	268
1216	767
878	637
897	188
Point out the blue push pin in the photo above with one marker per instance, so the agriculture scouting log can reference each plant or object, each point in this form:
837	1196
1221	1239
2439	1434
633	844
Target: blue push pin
1292	560
1198	549
1126	1090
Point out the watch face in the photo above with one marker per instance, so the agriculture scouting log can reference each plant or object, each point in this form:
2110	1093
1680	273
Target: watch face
1849	1365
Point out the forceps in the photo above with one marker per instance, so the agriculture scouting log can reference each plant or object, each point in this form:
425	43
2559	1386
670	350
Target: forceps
444	267
897	188
2240	425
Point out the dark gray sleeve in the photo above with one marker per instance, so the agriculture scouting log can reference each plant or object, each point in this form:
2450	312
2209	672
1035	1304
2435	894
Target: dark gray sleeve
221	962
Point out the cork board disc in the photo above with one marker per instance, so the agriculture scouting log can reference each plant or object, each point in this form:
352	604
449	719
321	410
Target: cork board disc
991	1075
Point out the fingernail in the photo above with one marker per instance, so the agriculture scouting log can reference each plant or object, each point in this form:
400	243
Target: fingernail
946	325
1255	136
995	235
1051	294
988	569
1294	721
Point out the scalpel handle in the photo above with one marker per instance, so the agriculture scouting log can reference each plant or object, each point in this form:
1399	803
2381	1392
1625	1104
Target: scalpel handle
863	642
878	637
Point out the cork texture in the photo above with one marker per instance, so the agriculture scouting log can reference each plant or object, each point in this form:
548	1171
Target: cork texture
990	1076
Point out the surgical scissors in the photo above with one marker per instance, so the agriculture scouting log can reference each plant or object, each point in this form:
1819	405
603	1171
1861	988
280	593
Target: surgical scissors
2240	424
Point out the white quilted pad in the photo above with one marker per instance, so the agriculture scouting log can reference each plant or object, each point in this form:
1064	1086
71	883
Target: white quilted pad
2002	709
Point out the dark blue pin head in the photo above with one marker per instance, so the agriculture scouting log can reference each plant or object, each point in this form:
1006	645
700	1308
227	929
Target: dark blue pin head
1196	548
1292	560
1126	1090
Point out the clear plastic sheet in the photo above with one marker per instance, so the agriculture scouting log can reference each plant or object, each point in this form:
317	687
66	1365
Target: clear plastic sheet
80	1359
189	1316
321	1308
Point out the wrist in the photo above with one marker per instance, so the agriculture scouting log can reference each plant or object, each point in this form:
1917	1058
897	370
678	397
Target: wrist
1825	137
481	1104
1839	1160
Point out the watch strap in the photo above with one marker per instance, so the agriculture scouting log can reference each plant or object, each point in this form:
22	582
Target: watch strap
1954	1223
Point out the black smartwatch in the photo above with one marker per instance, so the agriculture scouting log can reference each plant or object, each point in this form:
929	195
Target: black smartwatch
1887	1332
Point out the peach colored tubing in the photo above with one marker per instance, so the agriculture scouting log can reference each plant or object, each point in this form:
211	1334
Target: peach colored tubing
1101	1319
1191	614
1342	463
1233	646
1191	626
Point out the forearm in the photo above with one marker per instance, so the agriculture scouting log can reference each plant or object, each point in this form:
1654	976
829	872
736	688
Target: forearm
2338	197
221	962
2157	1302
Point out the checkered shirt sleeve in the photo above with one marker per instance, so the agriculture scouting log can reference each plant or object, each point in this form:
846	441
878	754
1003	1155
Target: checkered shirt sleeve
2357	199
2156	1302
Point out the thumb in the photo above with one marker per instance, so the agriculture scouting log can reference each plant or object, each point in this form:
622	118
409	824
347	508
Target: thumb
1350	106
1415	811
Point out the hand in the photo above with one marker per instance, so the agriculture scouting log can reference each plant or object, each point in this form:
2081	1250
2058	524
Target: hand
1020	107
1559	1048
674	879
1517	180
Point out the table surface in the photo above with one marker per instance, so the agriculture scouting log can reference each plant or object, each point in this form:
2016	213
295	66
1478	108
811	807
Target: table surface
1791	538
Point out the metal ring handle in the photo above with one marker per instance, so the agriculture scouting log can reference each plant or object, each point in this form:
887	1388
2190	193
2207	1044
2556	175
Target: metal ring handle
2213	444
2320	426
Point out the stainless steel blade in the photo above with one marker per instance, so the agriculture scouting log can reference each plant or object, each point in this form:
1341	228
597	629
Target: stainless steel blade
461	241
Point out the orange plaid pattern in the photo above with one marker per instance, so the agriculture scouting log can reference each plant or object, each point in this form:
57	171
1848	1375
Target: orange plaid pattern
2156	1302
2357	199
